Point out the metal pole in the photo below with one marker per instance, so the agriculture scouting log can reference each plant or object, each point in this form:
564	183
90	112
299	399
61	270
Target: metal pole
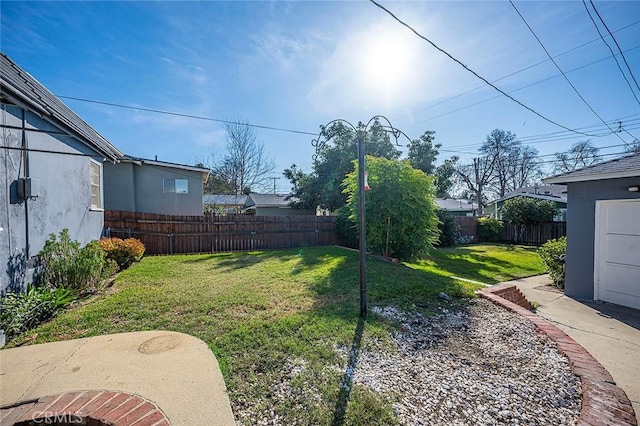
363	232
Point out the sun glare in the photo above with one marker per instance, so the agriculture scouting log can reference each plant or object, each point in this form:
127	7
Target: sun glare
387	63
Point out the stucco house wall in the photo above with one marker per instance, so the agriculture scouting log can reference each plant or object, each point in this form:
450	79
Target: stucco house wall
579	273
60	188
139	185
119	187
47	144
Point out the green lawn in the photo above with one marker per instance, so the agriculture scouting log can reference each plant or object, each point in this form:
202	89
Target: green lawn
275	318
486	263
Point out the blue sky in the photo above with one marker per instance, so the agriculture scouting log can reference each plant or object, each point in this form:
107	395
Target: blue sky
298	65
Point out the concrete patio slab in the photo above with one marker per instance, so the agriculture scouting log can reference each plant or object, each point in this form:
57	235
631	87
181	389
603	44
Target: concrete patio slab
175	371
611	333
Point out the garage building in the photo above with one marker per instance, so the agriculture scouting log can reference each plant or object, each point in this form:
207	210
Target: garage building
603	231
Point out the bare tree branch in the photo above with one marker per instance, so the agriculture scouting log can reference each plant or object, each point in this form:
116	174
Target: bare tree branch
581	154
245	165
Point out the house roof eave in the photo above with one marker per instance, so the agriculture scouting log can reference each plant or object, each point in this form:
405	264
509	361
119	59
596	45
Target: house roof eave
564	179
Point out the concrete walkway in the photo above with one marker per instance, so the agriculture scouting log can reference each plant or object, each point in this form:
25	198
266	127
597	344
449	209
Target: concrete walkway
175	371
611	333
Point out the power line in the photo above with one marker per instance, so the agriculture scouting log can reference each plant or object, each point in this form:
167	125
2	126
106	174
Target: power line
611	50
196	117
560	69
592	127
521	88
75	154
410	28
534	142
612	154
559	136
515	73
616	42
443	150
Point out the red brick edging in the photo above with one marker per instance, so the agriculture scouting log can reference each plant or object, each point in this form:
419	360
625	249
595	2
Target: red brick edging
603	403
91	408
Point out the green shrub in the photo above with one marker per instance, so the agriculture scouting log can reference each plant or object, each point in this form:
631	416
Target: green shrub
553	253
346	229
489	229
400	210
63	263
528	211
123	252
110	268
23	311
449	229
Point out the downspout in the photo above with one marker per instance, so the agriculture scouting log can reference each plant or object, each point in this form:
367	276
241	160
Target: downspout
25	149
7	140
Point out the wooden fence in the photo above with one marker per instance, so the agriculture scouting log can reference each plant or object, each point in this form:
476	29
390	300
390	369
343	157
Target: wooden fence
468	226
165	234
533	235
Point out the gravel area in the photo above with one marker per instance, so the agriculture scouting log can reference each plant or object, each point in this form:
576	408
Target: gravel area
482	366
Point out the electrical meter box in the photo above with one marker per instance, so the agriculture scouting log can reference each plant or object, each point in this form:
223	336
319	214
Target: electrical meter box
23	188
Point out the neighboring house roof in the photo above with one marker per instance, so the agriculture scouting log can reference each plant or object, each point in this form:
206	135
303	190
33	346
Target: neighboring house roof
224	200
543	192
268	200
20	88
627	166
143	161
455	205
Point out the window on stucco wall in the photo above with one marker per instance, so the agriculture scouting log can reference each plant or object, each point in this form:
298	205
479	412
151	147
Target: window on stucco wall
95	170
177	186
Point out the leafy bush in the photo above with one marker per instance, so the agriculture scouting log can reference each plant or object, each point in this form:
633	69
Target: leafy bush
346	228
62	263
449	229
489	229
553	253
528	211
400	211
23	311
123	252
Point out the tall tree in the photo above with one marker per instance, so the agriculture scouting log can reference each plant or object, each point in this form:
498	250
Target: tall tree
445	175
476	177
524	167
581	154
515	165
245	164
499	146
422	153
216	183
333	161
633	147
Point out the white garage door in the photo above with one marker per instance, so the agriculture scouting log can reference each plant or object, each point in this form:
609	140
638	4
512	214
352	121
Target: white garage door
617	252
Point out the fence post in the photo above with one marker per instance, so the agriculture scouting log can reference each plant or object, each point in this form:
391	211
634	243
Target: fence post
317	237
170	243
129	232
253	240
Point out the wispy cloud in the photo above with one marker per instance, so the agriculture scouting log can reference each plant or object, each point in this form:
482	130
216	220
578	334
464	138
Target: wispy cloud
285	51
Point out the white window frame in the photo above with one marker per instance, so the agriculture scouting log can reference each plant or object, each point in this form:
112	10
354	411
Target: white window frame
93	163
175	186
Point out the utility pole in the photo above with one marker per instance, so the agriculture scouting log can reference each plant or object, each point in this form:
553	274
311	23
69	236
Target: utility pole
274	183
